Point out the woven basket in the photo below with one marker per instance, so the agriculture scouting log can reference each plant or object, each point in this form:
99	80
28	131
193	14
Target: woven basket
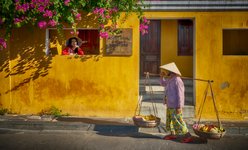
140	122
209	135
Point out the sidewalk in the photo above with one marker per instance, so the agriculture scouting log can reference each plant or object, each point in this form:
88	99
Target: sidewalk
117	126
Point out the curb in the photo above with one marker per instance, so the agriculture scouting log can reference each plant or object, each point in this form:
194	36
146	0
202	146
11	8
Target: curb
105	126
39	125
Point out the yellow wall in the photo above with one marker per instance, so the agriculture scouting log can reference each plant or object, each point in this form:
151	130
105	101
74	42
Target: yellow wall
169	48
97	86
211	64
108	86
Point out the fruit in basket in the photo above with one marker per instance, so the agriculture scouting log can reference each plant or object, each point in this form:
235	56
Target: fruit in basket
221	129
149	118
214	130
208	128
145	118
209	131
200	126
205	128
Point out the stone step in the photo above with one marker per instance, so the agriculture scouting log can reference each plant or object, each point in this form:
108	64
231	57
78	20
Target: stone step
188	82
151	81
189	99
154	97
188	92
160	94
155	88
147	109
159	99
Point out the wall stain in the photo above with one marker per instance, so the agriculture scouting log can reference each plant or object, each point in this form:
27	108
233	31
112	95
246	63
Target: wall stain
78	88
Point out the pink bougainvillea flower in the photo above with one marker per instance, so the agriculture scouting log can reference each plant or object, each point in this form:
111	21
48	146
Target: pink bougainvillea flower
41	8
17	20
108	16
101	26
52	23
31	5
73	33
25	7
23	18
18	7
42	24
144	20
144	25
48	13
95	11
143	29
99	11
66	2
78	16
144	32
104	34
3	43
115	9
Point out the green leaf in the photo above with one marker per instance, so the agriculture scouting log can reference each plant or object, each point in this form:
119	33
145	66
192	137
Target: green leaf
18	25
6	5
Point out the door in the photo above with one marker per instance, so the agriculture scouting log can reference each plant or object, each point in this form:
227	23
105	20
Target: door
150	48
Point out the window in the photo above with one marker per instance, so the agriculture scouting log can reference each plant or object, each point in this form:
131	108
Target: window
185	37
235	42
90	38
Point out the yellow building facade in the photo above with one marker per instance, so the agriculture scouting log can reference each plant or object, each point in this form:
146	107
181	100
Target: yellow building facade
108	86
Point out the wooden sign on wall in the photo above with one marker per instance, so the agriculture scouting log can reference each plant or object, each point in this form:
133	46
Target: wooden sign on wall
121	44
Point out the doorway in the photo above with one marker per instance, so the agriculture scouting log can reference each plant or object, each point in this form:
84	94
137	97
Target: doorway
168	40
150	49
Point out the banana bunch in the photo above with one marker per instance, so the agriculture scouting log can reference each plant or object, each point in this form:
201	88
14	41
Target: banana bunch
209	128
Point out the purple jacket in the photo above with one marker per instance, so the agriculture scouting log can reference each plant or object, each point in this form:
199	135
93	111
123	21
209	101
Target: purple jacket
174	91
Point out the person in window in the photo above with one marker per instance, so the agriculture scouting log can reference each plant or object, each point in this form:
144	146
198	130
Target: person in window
174	92
73	47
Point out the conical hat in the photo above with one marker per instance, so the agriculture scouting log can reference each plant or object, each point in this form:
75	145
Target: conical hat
80	42
171	67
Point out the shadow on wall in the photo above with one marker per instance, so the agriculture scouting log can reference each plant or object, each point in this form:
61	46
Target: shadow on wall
88	21
87	57
26	56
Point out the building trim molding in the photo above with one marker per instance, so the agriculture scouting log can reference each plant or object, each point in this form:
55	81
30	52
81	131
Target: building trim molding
195	5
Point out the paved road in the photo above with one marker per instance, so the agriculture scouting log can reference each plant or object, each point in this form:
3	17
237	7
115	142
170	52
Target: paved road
67	140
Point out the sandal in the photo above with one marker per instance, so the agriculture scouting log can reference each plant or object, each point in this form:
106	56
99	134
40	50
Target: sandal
187	140
170	137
